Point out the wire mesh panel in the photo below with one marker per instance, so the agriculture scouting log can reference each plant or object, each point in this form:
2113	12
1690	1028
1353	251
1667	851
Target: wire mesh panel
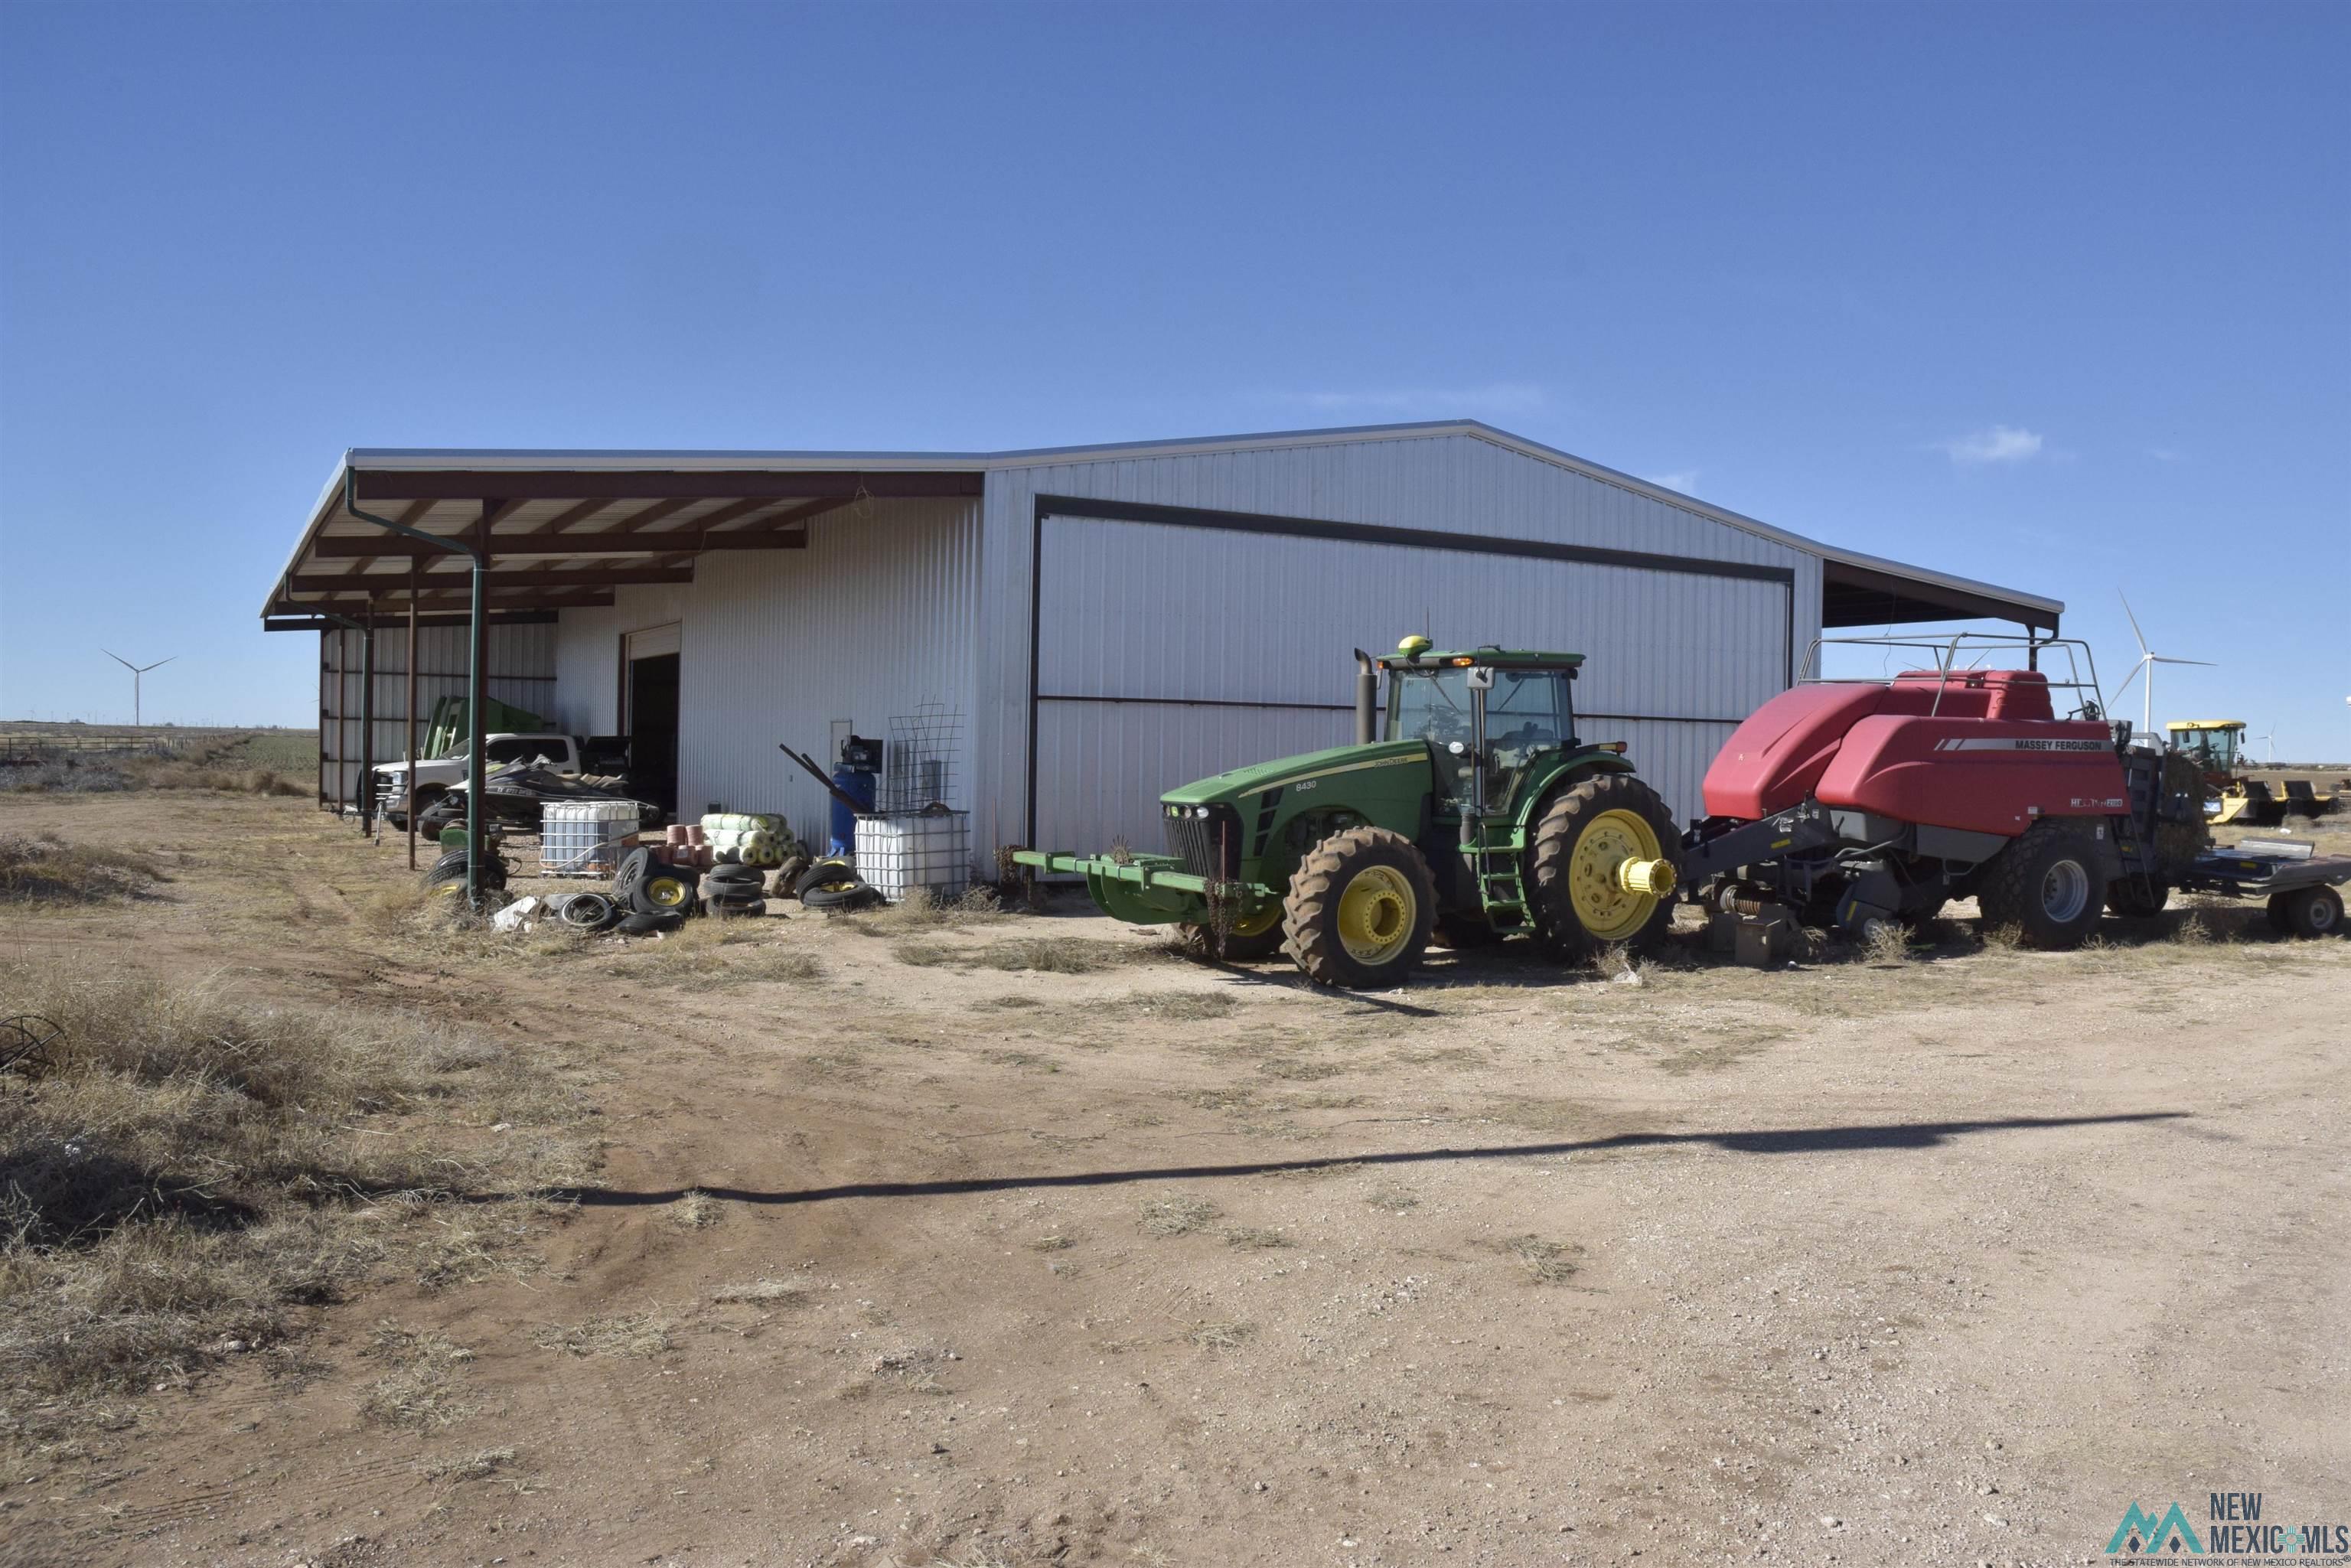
919	768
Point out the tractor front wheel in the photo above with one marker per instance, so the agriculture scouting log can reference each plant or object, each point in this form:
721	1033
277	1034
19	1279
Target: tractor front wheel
1360	910
1247	939
2046	885
1600	872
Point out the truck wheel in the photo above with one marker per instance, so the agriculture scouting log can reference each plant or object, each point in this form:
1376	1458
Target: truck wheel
1359	911
1600	872
1249	938
2307	912
2045	885
2138	897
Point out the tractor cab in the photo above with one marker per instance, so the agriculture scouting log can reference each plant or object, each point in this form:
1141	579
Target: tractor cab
2213	743
1490	711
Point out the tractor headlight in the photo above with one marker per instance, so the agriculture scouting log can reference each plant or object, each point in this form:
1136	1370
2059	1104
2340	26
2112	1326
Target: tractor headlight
1200	811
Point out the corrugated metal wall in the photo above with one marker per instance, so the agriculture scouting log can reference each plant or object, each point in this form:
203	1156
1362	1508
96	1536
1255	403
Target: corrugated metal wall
874	618
521	672
1669	654
1238	615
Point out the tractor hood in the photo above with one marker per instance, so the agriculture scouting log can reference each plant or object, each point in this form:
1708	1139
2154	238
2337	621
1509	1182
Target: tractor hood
1287	772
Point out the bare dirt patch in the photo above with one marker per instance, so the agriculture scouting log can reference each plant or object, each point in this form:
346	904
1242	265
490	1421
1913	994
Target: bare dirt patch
1054	1249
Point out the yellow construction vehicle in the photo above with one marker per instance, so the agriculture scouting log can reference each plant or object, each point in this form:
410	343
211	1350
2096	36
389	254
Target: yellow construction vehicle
2217	745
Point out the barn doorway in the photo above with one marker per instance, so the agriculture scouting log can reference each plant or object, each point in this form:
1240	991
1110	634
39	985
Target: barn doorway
649	713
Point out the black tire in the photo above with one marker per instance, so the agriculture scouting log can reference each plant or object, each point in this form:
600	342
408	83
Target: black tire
2045	885
1372	864
642	925
451	869
750	875
1607	915
2307	912
664	889
588	912
1239	947
736	908
831	871
2138	897
842	896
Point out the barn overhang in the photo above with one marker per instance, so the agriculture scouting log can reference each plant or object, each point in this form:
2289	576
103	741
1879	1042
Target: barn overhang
1856	592
559	531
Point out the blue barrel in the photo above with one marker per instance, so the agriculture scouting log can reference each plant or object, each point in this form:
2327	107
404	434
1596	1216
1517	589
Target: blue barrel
858	785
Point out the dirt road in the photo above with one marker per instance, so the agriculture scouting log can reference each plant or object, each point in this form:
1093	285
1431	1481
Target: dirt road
1128	1260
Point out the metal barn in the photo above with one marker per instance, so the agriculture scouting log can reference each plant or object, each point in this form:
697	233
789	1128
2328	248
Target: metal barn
1107	621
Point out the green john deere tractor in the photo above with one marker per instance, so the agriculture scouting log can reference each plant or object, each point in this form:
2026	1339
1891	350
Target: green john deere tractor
1479	814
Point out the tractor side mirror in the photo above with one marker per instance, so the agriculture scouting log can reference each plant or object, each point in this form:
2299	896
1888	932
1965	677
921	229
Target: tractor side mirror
1481	677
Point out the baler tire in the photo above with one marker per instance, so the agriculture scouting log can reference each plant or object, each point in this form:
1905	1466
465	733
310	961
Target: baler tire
1208	946
2307	912
2138	897
1313	911
2020	881
1558	830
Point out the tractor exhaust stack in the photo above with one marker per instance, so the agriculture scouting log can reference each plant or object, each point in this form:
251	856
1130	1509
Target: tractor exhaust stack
1367	699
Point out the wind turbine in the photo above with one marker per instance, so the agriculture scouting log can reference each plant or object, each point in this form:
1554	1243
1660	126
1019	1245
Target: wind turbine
2269	746
2147	660
137	671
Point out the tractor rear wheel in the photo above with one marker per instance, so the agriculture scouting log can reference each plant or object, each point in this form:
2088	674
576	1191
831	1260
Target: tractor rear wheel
2045	885
1247	939
1359	909
1597	853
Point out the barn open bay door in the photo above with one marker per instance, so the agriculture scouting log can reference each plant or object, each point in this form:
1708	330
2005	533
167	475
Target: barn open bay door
1134	695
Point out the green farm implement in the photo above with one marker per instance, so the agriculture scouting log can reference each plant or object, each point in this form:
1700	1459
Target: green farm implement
1468	811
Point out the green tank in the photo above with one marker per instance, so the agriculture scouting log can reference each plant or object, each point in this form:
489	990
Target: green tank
1468	810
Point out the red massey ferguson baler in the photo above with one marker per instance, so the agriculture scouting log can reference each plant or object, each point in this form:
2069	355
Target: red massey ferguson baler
1858	801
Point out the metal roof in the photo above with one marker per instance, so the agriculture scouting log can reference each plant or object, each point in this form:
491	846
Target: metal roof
586	521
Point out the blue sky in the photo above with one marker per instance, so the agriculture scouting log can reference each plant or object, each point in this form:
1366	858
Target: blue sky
2054	295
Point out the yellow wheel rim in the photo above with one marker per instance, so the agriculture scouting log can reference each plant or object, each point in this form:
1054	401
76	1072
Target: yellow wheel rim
1258	925
1376	915
666	890
1602	906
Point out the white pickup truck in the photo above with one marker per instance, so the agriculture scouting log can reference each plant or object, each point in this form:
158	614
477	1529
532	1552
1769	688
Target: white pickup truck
564	754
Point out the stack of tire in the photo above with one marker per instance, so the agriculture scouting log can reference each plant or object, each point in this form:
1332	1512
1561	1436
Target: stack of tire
445	878
735	889
655	896
832	883
747	838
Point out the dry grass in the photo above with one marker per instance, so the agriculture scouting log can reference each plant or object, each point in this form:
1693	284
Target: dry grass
1888	944
48	869
421	1390
183	1171
764	1292
1392	1201
251	764
1047	955
478	1466
1254	1238
697	1210
922	910
1221	1336
1177	1216
707	953
632	1334
1546	1262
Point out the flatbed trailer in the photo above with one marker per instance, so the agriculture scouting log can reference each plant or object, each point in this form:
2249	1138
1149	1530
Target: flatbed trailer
2298	881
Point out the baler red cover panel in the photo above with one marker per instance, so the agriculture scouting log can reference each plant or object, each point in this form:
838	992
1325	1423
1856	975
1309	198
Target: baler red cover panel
1991	753
1987	775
